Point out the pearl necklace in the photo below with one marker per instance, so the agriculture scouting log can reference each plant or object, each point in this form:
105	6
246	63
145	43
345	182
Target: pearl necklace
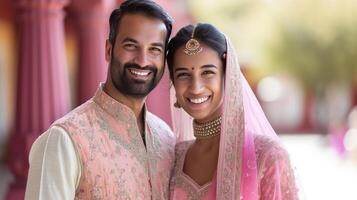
208	129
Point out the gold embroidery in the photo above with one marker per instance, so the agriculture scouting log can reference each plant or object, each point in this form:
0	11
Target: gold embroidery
233	129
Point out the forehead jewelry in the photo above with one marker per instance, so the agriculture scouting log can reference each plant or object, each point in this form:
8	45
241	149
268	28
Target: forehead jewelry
192	47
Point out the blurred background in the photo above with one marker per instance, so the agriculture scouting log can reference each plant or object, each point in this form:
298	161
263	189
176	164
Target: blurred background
300	58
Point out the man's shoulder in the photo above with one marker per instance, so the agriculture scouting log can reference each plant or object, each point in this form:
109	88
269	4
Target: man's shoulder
78	112
52	138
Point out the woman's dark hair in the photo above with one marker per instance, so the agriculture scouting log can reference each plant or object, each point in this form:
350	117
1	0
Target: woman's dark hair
146	7
204	33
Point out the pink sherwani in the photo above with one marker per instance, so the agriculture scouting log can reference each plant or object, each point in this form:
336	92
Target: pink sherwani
115	164
272	161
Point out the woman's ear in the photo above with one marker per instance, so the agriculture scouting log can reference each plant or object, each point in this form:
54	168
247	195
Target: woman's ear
224	56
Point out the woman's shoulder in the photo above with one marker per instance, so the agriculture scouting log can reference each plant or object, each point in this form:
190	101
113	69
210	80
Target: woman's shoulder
268	148
275	170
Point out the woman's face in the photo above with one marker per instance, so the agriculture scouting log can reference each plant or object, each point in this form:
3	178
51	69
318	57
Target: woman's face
198	81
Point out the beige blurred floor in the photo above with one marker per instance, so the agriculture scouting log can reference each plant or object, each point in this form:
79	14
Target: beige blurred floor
323	175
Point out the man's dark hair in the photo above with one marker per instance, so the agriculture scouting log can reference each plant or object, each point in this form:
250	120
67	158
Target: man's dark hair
146	7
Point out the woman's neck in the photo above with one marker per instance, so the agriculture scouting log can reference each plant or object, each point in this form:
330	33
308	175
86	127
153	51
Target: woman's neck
207	144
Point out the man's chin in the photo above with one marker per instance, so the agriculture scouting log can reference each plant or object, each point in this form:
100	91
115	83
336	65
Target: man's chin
136	90
139	82
140	92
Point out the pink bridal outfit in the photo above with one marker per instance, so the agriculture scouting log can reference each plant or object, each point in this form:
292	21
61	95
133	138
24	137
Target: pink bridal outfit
252	162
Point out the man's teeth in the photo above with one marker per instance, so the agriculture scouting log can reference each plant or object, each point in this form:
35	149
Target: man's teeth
199	100
139	73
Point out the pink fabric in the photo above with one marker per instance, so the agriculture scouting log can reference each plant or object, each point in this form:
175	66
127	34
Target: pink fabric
115	162
182	186
252	163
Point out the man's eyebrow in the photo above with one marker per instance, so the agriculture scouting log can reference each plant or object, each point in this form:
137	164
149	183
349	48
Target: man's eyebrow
127	39
158	44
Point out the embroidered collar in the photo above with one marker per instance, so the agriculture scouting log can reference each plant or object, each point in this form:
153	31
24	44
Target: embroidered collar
116	109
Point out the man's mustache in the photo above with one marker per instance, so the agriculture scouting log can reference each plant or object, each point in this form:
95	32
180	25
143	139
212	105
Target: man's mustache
151	68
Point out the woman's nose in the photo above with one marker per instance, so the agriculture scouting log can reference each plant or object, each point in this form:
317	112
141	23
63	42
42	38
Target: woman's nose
196	86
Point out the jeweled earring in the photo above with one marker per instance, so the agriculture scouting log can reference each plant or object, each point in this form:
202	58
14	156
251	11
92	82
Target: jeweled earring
177	105
224	56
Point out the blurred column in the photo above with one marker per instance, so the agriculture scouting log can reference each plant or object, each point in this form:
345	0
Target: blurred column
42	86
307	124
92	22
354	93
159	99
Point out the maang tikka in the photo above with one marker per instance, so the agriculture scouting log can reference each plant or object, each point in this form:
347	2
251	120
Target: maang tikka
192	47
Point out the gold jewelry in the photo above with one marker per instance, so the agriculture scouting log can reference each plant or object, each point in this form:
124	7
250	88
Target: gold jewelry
207	130
192	46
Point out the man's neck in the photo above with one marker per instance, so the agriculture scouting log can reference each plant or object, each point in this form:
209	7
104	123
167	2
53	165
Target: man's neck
135	104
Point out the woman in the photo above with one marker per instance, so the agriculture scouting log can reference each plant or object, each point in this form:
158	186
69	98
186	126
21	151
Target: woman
235	154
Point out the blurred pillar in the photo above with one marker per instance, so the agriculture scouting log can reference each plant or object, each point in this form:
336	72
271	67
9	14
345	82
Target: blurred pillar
159	99
354	93
307	123
42	86
92	22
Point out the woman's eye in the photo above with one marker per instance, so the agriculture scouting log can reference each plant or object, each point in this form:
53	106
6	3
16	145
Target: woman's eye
182	75
208	72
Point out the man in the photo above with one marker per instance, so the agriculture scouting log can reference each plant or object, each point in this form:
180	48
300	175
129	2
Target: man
110	147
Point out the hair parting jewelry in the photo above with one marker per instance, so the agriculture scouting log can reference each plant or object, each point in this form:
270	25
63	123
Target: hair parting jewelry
192	46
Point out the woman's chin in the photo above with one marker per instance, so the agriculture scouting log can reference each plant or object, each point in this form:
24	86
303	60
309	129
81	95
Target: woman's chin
204	115
200	117
197	115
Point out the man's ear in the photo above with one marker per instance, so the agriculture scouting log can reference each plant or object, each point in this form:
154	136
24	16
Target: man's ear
108	50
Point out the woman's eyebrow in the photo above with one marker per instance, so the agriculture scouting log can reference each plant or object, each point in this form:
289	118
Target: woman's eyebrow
181	69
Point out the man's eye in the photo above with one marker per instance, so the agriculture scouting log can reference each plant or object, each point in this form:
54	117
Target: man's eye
130	46
156	50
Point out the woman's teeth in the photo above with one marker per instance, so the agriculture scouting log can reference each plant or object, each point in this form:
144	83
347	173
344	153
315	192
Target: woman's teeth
199	100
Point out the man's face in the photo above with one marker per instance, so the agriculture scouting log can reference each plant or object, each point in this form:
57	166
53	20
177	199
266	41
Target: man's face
136	61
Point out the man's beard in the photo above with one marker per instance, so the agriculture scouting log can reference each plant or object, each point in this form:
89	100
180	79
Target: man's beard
129	86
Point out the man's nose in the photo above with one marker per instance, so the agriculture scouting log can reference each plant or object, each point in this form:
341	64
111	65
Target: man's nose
142	58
